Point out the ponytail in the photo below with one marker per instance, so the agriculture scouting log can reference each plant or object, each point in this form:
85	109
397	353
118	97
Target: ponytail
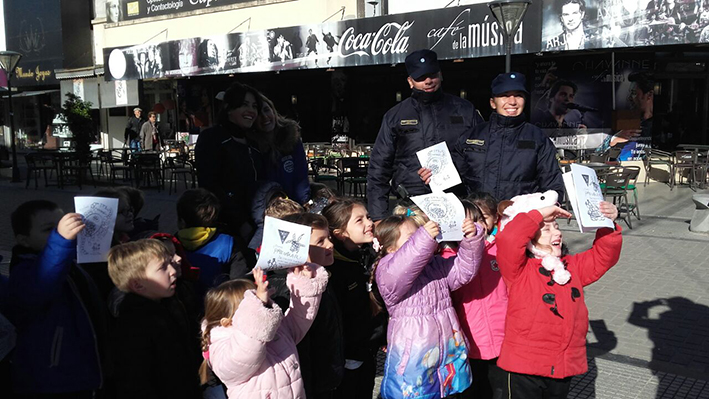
387	234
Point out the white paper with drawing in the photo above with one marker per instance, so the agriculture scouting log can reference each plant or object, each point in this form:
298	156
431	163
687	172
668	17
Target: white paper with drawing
94	241
446	210
438	159
585	195
284	244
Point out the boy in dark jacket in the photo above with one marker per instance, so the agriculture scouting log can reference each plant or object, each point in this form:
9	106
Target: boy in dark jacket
156	354
55	307
218	256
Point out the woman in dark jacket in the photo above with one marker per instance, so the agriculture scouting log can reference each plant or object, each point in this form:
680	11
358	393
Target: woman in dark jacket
286	163
228	162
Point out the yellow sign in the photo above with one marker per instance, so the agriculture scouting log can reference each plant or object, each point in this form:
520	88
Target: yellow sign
38	74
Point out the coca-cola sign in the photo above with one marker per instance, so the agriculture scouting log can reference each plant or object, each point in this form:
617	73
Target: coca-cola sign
457	32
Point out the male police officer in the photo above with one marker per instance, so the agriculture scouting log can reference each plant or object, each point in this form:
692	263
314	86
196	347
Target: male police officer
507	156
426	118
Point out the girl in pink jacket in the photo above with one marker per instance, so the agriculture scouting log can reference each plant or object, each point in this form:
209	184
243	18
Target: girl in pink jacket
248	342
481	306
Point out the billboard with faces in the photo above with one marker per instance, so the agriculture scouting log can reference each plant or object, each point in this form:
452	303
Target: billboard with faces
587	24
457	32
581	104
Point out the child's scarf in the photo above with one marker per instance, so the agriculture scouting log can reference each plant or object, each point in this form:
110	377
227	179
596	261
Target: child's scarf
551	264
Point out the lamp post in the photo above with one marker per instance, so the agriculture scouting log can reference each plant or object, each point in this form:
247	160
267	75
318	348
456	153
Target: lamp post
8	62
509	15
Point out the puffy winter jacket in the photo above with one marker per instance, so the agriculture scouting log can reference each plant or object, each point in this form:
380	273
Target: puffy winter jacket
57	347
291	172
547	323
426	353
482	307
507	156
408	127
256	356
229	166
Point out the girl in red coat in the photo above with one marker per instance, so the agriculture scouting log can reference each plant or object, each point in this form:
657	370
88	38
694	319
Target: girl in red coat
547	318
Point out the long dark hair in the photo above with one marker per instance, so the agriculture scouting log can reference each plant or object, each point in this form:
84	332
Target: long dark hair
286	132
234	98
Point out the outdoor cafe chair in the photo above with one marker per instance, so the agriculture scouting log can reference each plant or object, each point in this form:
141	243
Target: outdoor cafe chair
324	172
120	162
74	167
148	168
654	159
178	166
683	161
39	163
616	188
353	171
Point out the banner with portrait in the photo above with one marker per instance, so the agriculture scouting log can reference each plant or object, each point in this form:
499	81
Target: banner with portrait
456	32
581	105
587	24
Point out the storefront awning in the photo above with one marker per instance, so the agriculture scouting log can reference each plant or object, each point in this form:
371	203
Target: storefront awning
78	73
28	93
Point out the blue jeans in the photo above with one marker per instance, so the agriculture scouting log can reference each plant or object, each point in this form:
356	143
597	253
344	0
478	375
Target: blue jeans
136	145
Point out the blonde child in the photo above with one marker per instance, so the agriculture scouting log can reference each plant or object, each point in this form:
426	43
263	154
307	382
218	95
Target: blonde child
248	342
426	353
547	318
154	349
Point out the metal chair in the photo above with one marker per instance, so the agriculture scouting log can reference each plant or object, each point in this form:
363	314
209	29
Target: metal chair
37	163
120	161
656	158
147	168
683	161
324	172
75	166
178	166
353	171
616	187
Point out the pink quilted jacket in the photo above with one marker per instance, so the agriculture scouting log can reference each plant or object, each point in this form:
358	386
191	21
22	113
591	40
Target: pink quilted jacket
482	308
256	357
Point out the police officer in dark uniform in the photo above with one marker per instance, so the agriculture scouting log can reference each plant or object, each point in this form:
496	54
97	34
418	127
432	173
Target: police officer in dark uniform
507	156
426	118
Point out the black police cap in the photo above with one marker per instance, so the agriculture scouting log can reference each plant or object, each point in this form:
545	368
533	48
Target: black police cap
421	63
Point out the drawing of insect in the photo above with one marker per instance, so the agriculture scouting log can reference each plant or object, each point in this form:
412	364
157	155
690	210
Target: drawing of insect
295	243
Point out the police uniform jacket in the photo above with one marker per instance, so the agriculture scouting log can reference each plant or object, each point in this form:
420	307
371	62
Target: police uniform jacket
412	125
507	156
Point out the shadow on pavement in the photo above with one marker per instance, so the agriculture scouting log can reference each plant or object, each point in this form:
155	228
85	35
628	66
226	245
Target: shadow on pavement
679	331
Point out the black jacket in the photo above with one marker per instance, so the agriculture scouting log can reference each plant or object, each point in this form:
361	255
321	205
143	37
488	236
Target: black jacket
349	280
156	350
507	156
229	166
133	127
420	121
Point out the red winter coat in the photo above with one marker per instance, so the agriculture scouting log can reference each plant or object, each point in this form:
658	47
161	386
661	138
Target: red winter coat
539	341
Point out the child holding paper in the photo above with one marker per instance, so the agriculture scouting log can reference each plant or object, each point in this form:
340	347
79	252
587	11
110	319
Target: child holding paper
482	306
54	305
427	353
547	318
248	342
350	279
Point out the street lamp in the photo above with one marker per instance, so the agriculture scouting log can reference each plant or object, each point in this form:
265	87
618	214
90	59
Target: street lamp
509	15
8	62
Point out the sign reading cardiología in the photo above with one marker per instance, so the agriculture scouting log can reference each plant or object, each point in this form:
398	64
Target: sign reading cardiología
457	32
120	10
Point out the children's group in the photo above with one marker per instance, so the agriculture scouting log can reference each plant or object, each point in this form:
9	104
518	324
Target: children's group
500	314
